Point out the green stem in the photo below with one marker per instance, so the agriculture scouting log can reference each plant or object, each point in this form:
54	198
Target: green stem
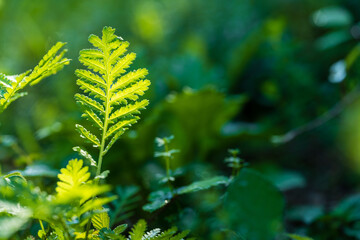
235	170
42	226
107	112
103	137
167	163
87	229
233	174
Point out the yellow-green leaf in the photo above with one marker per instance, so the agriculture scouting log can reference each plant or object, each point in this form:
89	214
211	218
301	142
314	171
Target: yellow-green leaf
84	133
101	220
129	109
72	177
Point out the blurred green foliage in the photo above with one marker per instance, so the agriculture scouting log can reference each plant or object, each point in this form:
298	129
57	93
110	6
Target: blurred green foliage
224	75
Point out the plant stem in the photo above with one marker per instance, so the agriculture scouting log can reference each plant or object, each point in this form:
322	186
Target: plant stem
167	163
87	229
42	226
322	119
107	111
102	146
103	137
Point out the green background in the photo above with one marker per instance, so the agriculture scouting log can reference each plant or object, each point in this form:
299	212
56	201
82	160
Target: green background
225	74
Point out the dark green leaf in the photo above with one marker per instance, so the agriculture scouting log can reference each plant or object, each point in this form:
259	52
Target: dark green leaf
202	185
253	207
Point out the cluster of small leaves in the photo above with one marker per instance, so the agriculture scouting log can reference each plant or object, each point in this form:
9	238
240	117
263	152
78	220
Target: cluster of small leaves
74	184
163	141
162	197
66	212
235	162
111	97
110	103
167	154
138	232
50	64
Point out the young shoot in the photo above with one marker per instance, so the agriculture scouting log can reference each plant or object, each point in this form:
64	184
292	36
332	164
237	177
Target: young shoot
235	162
167	154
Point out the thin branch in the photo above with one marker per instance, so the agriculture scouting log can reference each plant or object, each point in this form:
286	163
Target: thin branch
324	118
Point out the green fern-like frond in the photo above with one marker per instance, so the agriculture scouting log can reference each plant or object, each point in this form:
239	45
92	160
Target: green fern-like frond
50	64
74	186
138	231
72	177
101	220
111	97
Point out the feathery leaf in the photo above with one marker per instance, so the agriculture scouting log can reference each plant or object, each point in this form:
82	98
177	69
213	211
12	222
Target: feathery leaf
131	93
93	64
91	77
107	90
138	230
88	102
89	114
121	65
114	57
120	126
129	78
101	220
93	90
50	64
88	135
85	154
71	177
129	109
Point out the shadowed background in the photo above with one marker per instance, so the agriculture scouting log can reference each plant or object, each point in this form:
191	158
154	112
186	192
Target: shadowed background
224	75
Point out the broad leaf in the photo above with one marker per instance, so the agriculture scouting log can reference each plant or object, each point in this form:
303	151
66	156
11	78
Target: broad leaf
253	207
